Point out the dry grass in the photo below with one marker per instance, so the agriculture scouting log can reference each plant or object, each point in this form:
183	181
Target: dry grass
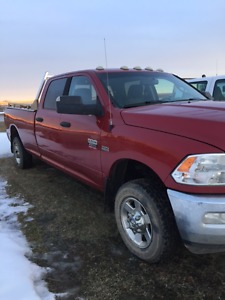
70	233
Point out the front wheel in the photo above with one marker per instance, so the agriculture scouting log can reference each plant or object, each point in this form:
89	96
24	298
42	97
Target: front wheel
145	220
23	159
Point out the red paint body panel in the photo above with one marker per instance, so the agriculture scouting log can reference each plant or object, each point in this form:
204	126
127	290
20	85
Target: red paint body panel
158	136
23	121
202	121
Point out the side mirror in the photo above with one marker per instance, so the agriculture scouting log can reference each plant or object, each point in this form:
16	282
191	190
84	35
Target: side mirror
74	105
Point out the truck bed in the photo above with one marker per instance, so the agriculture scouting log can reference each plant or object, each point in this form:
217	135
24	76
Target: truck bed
24	119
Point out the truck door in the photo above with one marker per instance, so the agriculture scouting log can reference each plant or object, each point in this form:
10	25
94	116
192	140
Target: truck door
47	128
80	135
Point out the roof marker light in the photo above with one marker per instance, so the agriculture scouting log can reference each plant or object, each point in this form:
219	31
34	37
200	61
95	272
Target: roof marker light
159	70
138	68
148	69
99	68
124	68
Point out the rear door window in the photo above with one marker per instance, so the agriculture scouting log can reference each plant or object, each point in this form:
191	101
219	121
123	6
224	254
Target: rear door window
55	89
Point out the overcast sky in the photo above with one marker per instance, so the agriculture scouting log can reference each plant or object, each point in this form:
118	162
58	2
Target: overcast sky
182	37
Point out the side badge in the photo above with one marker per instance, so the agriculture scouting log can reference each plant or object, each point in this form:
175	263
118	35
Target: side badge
105	148
92	143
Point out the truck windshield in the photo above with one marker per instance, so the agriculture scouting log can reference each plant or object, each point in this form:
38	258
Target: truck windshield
135	88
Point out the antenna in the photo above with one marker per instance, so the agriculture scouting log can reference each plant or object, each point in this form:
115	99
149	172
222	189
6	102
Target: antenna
107	83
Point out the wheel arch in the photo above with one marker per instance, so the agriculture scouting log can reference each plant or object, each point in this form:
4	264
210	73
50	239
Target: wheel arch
125	170
13	133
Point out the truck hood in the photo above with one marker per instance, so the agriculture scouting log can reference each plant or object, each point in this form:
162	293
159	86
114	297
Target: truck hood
199	120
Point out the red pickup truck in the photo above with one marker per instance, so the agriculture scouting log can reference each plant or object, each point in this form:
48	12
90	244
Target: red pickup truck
152	143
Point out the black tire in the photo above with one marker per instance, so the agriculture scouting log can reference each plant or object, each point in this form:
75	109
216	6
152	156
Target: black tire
145	220
23	159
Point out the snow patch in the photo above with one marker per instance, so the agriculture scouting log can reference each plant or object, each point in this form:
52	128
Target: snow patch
4	145
19	278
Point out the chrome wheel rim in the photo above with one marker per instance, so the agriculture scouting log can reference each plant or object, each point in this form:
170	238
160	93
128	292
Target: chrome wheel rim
16	152
136	222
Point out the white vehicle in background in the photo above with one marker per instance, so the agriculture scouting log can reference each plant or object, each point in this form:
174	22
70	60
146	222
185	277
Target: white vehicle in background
1	116
215	85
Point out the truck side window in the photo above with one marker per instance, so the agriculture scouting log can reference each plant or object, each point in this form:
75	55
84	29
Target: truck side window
200	85
82	86
219	90
55	89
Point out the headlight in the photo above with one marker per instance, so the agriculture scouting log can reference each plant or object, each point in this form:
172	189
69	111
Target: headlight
202	169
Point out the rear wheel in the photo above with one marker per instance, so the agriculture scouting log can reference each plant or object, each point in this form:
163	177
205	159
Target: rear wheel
23	159
145	220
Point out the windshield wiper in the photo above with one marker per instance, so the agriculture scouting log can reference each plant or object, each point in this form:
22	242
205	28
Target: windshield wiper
186	100
193	99
141	104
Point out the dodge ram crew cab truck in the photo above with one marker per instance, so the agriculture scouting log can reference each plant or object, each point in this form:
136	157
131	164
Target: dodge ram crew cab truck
214	85
147	139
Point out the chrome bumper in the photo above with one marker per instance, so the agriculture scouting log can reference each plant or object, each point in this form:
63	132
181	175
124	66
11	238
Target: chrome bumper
200	220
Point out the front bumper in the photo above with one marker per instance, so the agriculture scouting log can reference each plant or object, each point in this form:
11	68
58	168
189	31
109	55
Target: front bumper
200	220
